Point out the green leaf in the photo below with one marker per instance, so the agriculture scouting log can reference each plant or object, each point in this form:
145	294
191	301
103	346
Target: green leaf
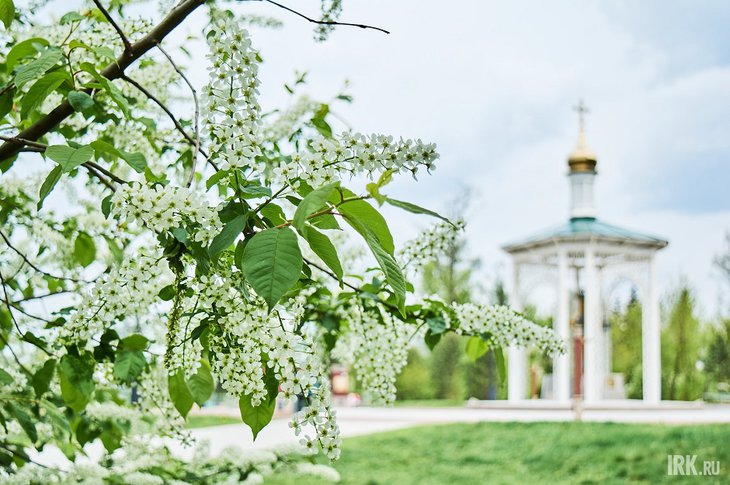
363	217
84	249
437	325
415	209
323	247
108	152
272	263
6	102
80	101
49	184
40	90
25	421
7	12
111	435
114	93
180	393
69	17
313	202
37	67
42	378
69	158
117	252
135	160
135	342
476	347
499	357
325	221
201	384
5	378
256	417
273	213
432	339
374	191
129	364
21	50
319	121
272	385
77	380
393	274
228	235
59	422
168	292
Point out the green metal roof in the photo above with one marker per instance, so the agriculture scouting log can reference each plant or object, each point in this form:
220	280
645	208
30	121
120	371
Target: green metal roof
587	227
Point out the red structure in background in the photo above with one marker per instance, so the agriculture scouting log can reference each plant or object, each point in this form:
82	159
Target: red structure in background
578	347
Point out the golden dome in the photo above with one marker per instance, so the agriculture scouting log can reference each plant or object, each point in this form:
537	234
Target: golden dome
582	159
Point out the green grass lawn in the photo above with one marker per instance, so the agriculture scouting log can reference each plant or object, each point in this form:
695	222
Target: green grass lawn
204	421
527	453
430	403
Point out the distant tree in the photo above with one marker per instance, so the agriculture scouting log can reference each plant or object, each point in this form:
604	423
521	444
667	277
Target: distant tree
625	333
681	342
415	380
717	361
449	276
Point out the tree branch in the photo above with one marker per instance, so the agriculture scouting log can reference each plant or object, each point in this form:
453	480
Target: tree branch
107	15
197	113
171	115
325	22
99	176
93	168
29	263
112	71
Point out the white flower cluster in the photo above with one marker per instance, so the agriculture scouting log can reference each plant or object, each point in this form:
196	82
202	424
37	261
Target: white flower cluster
506	327
286	123
16	380
245	331
429	245
377	350
154	400
353	154
230	107
164	208
129	289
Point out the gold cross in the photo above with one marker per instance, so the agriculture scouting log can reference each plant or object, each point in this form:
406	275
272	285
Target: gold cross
582	110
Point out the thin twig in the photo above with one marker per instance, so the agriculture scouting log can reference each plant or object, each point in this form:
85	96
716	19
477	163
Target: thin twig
7	346
10	311
29	263
92	167
171	115
107	15
105	172
197	112
270	199
325	22
23	141
99	176
39	297
112	71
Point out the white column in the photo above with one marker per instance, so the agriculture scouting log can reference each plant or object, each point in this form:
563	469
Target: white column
561	363
516	357
600	336
591	331
651	339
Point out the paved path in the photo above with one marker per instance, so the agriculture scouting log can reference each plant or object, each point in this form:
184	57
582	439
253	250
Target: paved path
364	420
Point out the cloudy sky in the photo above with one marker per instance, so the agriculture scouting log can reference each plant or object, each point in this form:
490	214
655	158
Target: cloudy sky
493	83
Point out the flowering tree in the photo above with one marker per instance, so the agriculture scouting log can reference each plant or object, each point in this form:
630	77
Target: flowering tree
159	255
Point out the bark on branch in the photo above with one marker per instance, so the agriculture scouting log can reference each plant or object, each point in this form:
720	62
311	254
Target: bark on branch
113	71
